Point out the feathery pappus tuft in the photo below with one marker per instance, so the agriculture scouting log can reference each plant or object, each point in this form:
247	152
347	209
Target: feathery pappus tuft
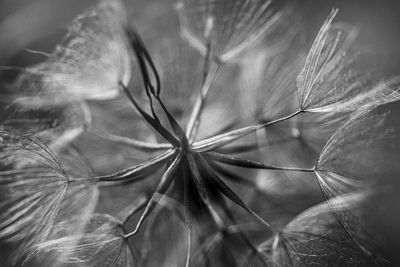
89	63
32	185
329	83
341	171
36	192
102	243
318	237
228	27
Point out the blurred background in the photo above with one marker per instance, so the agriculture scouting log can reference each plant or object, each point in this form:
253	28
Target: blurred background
39	25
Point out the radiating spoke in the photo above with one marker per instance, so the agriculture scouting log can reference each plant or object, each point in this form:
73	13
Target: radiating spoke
162	187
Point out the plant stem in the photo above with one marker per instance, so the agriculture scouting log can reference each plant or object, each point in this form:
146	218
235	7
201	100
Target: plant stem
230	194
155	123
161	188
217	141
135	171
239	162
194	119
199	182
130	141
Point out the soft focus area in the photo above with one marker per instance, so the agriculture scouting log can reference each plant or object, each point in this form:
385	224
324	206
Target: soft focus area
39	24
163	134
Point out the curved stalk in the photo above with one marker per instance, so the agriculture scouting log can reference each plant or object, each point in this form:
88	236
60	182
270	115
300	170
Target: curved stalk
239	162
217	141
163	185
143	145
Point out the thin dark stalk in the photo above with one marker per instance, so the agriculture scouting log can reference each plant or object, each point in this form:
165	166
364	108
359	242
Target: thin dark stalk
239	162
153	122
174	124
163	185
203	192
229	193
145	60
236	178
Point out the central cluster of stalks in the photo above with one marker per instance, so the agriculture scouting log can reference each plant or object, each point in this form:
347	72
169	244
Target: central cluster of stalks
307	107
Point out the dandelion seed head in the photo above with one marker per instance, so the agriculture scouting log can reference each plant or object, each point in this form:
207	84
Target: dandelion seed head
302	167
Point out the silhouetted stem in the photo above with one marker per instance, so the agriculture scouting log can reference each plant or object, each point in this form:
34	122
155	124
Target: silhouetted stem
239	162
229	193
203	192
152	121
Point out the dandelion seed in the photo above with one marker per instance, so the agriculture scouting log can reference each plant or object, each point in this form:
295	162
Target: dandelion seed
345	162
89	63
101	244
33	186
319	87
316	238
